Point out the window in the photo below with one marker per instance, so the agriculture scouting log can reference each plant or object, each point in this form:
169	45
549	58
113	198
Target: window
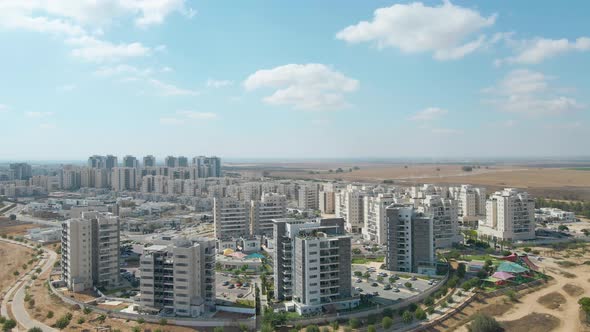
182	256
181	264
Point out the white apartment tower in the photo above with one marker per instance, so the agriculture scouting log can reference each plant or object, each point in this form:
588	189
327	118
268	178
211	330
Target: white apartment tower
124	179
270	206
375	225
444	215
471	204
327	201
231	217
510	215
90	251
308	196
349	206
179	277
313	264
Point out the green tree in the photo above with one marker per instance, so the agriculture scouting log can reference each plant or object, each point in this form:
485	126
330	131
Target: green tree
387	322
461	270
8	325
354	323
367	275
371	328
484	323
358	274
407	317
420	314
312	328
163	321
335	325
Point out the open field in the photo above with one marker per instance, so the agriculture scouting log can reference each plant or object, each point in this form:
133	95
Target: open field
557	183
13	256
15	228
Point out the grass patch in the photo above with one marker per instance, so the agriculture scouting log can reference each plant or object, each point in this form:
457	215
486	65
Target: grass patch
361	260
245	303
552	300
573	290
566	263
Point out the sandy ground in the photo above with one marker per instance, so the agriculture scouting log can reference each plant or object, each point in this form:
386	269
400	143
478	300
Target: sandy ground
13	256
15	228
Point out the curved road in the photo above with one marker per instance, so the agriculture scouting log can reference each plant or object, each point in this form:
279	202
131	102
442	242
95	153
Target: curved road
17	292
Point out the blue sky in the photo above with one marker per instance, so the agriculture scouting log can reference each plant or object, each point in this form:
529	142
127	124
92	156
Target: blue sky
301	79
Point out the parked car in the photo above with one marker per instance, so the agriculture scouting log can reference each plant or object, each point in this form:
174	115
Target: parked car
358	289
399	284
231	286
359	280
413	278
241	295
395	290
375	284
225	283
387	287
375	293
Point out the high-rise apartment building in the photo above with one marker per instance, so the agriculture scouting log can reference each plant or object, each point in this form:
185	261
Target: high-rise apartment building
262	212
179	277
130	161
308	196
445	219
170	161
21	171
182	161
149	161
375	225
327	201
231	217
410	240
124	179
111	162
312	264
208	166
90	251
471	204
70	177
510	215
97	161
349	205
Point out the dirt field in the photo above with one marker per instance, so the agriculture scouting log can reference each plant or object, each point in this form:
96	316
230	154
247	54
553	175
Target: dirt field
13	257
557	183
552	300
15	228
533	322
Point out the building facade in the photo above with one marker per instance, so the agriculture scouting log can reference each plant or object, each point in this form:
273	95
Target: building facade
510	215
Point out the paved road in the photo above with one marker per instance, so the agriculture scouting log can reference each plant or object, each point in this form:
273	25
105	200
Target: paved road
17	293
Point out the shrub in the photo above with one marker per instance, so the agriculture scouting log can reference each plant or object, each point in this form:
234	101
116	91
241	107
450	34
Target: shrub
512	296
81	320
312	328
141	321
453	282
163	321
526	249
50	314
2	319
387	322
372	319
450	300
9	325
536	252
412	307
62	323
371	328
407	317
408	285
430	310
420	314
68	316
461	270
335	325
484	323
137	329
101	318
354	323
35	329
387	312
87	310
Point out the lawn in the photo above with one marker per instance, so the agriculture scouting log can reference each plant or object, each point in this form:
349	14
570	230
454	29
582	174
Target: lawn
378	259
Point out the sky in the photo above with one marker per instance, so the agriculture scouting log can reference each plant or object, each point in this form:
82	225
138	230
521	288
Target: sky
294	79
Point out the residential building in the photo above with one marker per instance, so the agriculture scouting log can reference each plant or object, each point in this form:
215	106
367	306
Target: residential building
111	162
124	179
262	212
149	161
97	161
349	205
471	204
170	161
327	201
182	161
180	277
231	217
21	171
90	251
208	166
510	215
308	196
445	219
312	265
410	240
375	216
130	161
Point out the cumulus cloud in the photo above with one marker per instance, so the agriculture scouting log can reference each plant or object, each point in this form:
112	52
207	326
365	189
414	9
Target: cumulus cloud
444	30
537	50
304	86
529	92
95	50
218	83
429	114
185	116
167	89
30	114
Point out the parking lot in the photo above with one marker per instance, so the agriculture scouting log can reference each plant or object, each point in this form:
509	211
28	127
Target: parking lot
391	295
229	293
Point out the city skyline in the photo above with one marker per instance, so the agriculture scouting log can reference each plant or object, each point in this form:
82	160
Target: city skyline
262	80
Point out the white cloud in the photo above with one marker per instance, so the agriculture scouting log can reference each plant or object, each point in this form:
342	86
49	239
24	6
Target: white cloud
414	28
122	69
3	108
30	114
304	86
197	115
185	116
537	50
166	69
95	50
529	92
40	24
102	12
429	114
218	83
66	88
166	89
